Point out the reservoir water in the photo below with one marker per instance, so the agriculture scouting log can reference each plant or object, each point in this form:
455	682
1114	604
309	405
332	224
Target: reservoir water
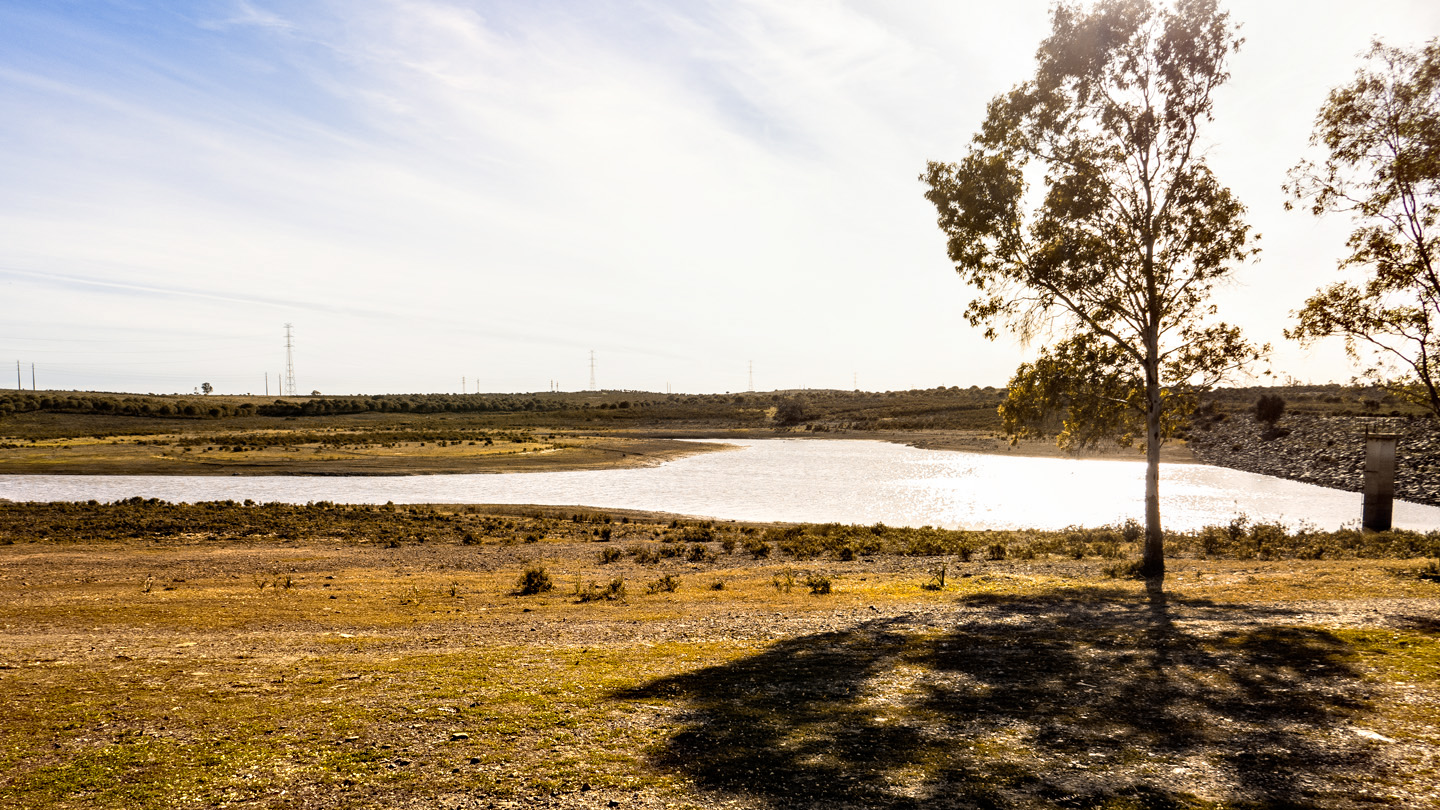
810	480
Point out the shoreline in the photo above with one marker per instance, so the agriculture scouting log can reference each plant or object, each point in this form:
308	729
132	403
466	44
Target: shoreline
563	453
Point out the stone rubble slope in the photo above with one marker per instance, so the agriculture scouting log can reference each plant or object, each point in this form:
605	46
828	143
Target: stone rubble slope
1324	450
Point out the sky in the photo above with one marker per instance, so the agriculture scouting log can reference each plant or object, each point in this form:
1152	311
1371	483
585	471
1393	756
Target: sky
443	195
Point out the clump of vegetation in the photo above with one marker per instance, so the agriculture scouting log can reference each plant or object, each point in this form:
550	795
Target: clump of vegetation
666	584
783	580
757	548
819	584
534	580
614	591
1269	409
610	554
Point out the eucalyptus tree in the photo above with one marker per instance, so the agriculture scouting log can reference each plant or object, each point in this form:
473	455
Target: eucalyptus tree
1123	241
1381	133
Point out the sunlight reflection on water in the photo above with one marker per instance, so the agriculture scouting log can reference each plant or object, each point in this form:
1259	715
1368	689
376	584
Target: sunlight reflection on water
812	480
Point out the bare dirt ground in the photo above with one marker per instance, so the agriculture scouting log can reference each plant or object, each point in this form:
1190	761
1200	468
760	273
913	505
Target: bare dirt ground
322	673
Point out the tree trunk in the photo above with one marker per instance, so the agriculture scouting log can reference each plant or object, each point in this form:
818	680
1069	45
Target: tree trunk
1152	565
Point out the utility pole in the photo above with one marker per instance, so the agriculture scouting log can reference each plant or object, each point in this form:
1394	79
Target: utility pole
463	388
267	383
752	376
289	363
592	371
18	385
32	376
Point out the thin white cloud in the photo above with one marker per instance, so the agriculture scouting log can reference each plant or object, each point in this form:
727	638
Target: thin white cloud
726	181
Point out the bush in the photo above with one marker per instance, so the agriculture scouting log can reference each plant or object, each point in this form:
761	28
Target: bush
783	580
699	553
534	580
819	584
666	584
937	578
1121	570
645	555
610	554
613	592
757	548
1269	409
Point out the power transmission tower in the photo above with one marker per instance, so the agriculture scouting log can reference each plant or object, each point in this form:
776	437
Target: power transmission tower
289	362
19	386
592	371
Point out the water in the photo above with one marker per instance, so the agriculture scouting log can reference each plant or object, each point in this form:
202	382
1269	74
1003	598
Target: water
810	480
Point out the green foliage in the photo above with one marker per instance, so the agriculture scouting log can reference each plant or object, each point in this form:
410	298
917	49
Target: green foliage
1382	135
614	591
756	547
819	584
1129	239
534	580
1269	408
666	584
790	411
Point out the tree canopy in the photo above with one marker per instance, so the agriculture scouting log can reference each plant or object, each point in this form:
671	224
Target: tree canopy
1123	244
1381	133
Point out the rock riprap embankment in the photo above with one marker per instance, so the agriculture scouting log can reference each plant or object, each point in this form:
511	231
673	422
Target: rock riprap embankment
1324	450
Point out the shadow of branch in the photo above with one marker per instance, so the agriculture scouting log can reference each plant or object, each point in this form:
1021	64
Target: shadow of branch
1079	698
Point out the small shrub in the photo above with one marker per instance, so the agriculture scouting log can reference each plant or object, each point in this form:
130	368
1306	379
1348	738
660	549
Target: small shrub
700	553
717	585
645	555
757	548
666	584
996	551
534	580
728	543
819	584
604	535
783	580
1269	409
613	592
1132	531
610	554
1121	570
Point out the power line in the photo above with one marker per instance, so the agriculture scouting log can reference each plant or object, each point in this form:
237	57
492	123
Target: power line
289	363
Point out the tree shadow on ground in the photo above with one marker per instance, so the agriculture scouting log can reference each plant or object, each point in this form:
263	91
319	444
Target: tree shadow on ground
1076	699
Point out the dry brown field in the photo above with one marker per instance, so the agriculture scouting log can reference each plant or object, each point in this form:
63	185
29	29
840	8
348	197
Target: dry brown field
219	667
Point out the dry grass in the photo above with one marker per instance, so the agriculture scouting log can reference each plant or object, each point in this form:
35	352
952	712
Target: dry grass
255	672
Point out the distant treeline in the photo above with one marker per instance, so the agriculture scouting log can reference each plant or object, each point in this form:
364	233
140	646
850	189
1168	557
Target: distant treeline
942	407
